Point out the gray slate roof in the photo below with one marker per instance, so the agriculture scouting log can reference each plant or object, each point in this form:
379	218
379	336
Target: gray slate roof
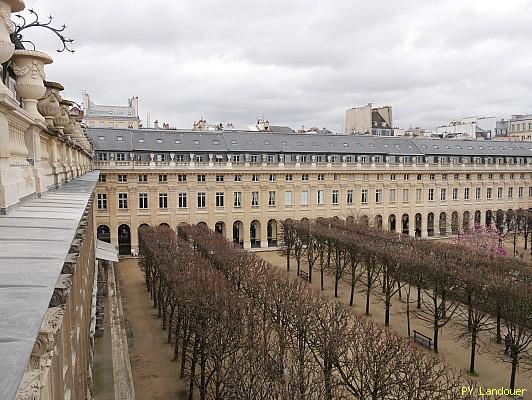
184	141
34	242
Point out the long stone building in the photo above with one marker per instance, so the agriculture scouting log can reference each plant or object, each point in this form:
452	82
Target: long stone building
243	183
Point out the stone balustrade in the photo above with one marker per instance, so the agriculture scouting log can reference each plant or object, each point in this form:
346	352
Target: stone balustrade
42	146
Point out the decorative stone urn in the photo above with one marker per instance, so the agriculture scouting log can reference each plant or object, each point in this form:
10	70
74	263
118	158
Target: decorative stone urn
6	28
48	107
61	119
28	66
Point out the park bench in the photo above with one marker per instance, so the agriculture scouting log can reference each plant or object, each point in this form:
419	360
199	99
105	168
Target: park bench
422	339
303	275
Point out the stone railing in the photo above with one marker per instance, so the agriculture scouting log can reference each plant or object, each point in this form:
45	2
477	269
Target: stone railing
60	365
42	144
338	166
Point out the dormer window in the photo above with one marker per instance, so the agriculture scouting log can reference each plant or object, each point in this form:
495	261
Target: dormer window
216	141
120	138
101	138
141	140
177	141
159	141
233	141
267	143
196	141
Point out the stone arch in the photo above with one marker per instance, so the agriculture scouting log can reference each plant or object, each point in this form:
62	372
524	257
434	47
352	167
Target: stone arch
377	221
418	219
455	223
430	224
489	217
364	220
103	233
392	223
405	224
466	221
124	240
164	225
272	232
499	220
443	224
238	233
254	233
350	220
478	216
219	228
203	226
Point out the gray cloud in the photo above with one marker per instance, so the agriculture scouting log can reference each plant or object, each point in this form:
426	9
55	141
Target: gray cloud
297	62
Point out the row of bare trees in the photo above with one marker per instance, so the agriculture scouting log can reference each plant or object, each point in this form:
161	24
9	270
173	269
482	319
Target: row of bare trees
479	291
244	330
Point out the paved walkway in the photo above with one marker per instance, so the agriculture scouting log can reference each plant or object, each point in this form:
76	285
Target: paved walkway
123	380
103	361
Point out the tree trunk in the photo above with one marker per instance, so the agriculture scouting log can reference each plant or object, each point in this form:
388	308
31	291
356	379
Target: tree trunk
473	349
436	319
419	296
193	368
368	293
387	311
352	296
184	348
499	338
203	365
336	280
287	259
514	371
408	310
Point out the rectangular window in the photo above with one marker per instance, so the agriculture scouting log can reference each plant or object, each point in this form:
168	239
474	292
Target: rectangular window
254	199
378	196
455	177
304	198
181	178
499	193
120	157
478	193
201	178
530	191
379	177
102	201
510	192
336	177
219	178
405	177
419	195
304	177
237	199
520	192
122	178
288	177
466	193
392	177
431	194
364	196
489	193
455	193
431	177
443	194
319	197
271	199
350	197
254	178
444	177
238	178
143	200
321	177
182	200
122	200
406	193
202	199
219	199
288	201
163	178
335	196
143	178
163	200
102	178
272	178
418	177
391	196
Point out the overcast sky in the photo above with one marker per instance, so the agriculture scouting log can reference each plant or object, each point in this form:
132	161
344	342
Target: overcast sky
296	62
